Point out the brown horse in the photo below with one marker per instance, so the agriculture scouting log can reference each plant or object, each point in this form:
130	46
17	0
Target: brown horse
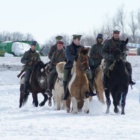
98	82
79	84
38	82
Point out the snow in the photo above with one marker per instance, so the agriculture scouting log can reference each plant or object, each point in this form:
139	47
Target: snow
32	123
8	55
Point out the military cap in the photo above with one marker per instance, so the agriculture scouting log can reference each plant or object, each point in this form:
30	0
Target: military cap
116	29
33	43
58	38
77	37
100	36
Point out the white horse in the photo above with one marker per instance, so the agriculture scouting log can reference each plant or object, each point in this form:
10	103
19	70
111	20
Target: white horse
58	92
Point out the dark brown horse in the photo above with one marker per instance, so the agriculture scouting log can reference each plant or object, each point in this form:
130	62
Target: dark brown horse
38	82
118	83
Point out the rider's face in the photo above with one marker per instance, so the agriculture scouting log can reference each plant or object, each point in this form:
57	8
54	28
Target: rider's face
99	40
76	41
33	47
116	35
59	46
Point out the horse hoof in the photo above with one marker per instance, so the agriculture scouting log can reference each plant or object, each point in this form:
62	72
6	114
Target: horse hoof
86	111
42	104
50	104
122	113
107	112
36	105
79	110
74	112
68	110
116	110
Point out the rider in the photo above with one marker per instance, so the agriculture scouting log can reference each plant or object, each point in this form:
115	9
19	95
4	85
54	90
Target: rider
108	54
71	53
54	47
57	56
96	54
30	58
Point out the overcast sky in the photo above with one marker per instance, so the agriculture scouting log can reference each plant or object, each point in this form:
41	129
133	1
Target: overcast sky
45	18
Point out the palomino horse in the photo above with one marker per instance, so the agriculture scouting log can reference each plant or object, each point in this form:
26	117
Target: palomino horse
118	83
98	82
58	91
38	83
79	84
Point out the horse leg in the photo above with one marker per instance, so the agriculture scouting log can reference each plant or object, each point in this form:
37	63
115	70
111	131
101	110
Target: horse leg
123	102
108	101
100	90
35	99
86	110
101	95
50	101
114	96
74	105
45	99
21	95
68	101
80	105
58	103
119	98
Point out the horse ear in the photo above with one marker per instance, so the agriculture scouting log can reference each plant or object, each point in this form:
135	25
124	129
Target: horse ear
126	41
80	49
88	49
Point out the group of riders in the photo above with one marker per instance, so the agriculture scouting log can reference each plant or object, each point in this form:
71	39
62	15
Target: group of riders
59	53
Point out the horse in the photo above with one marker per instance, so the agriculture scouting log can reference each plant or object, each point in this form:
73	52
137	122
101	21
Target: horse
118	82
79	84
58	91
38	84
98	82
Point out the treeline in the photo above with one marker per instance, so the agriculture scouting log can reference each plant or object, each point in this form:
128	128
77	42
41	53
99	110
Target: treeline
129	24
15	36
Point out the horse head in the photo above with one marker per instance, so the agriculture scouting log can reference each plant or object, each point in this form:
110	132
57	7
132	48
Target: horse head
119	53
82	59
40	72
40	66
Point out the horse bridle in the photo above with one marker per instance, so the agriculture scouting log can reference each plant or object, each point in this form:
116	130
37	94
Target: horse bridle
59	79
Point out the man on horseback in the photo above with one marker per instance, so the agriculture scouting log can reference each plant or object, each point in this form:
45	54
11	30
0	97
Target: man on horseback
71	53
57	56
54	47
96	55
108	54
30	58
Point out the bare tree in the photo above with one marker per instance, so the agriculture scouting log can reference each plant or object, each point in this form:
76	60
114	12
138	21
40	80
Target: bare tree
138	16
133	26
119	20
28	37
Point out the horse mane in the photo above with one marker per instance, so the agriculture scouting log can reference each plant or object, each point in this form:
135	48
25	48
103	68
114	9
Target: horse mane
83	51
39	64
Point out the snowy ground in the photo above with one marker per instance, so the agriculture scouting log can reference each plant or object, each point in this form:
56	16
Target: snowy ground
32	123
